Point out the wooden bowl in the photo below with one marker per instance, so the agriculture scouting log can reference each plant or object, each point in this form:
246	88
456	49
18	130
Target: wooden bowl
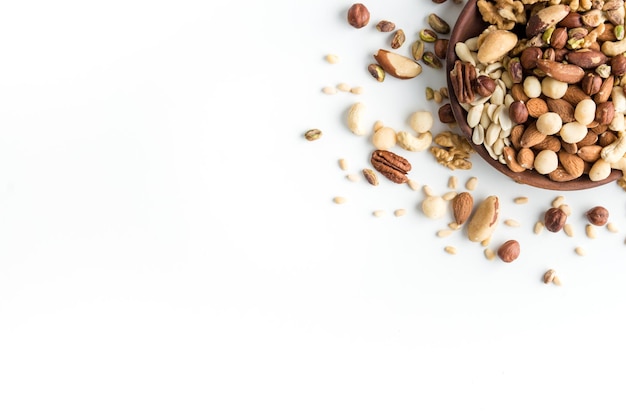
468	25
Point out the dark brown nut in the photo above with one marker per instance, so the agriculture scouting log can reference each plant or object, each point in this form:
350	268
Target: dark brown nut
439	1
618	65
393	166
598	216
567	73
484	86
558	38
545	18
462	77
518	113
441	48
358	15
605	112
587	59
554	219
530	56
445	114
572	20
591	83
385	26
509	251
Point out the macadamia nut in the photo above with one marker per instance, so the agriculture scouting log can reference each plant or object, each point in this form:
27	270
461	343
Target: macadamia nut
585	111
573	132
384	138
421	121
553	88
546	161
532	86
549	123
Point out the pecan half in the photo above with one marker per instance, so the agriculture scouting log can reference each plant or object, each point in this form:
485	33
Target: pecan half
393	166
463	76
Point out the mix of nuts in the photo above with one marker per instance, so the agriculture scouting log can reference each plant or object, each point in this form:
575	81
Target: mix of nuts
552	101
543	86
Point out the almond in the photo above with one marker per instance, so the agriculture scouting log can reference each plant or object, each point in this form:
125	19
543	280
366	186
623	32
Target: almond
574	94
562	108
550	142
531	136
605	90
571	163
536	107
397	65
526	158
560	175
462	206
590	153
510	158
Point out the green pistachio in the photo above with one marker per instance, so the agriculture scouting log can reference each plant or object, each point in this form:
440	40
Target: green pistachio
428	35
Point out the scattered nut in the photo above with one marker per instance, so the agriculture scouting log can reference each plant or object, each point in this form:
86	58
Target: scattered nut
313	134
509	251
554	219
339	200
598	216
358	15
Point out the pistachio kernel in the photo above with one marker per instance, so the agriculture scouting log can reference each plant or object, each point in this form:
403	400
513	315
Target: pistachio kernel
417	49
377	72
431	60
313	134
428	35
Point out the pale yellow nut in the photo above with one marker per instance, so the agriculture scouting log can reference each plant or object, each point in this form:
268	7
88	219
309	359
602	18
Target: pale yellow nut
490	254
539	226
378	213
450	249
413	185
512	223
590	231
444	233
612	227
343	164
332	58
339	200
329	90
580	251
568	229
453	182
399	212
520	200
356	119
343	87
471	184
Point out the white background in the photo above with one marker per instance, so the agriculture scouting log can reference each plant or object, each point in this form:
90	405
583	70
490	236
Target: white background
169	245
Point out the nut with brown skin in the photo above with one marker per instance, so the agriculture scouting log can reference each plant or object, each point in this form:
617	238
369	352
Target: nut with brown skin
530	56
484	86
509	251
385	26
462	206
598	216
618	65
518	113
441	48
358	15
445	114
554	219
393	166
605	113
591	83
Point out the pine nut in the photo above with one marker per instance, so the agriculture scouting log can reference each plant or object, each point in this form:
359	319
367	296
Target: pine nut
339	200
520	200
471	183
590	231
450	249
399	212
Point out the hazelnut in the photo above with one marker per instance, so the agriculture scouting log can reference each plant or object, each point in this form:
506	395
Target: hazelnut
484	86
509	251
358	15
445	114
441	48
518	112
598	216
554	219
591	83
530	56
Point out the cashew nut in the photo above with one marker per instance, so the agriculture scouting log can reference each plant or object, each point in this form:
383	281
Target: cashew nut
356	123
620	164
614	151
614	48
412	143
619	99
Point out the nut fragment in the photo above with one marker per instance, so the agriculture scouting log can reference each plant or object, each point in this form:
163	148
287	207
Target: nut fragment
377	72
